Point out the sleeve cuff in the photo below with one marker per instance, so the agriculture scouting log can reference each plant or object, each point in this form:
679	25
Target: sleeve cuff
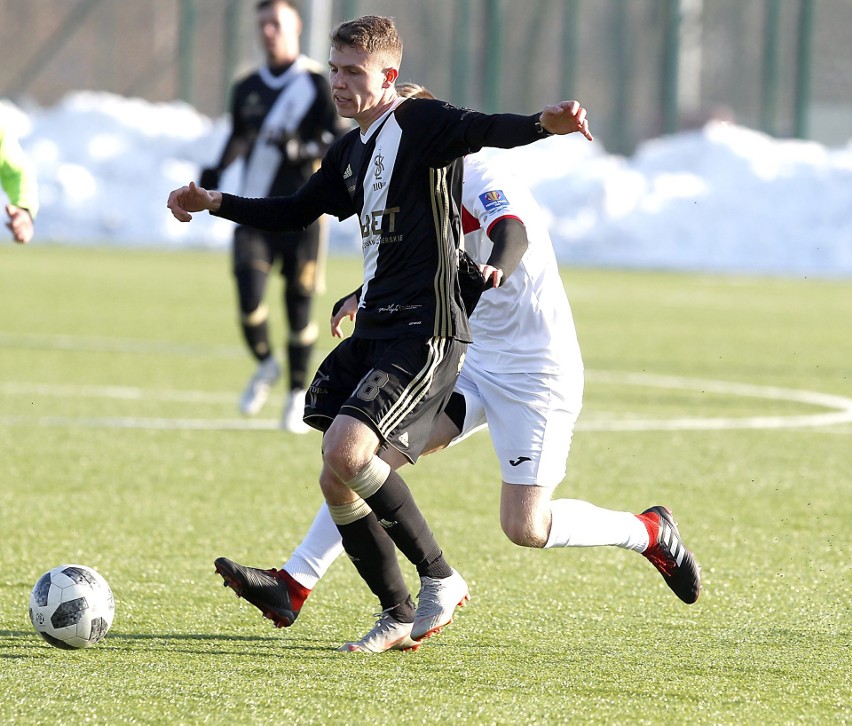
540	130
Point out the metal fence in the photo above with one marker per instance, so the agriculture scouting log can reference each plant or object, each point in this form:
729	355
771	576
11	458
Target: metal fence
642	67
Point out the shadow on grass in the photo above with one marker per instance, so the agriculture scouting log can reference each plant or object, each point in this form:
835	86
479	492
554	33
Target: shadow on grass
14	639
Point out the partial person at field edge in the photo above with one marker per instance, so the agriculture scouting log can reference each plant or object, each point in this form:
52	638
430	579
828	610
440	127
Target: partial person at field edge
18	179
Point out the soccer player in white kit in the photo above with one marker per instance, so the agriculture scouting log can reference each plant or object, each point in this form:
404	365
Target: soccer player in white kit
523	378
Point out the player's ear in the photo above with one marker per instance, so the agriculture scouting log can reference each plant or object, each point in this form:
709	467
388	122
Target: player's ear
391	74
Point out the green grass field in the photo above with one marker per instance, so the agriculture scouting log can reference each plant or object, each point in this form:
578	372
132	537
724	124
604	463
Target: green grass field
121	448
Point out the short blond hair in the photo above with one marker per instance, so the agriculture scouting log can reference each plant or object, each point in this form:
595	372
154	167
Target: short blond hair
374	34
413	90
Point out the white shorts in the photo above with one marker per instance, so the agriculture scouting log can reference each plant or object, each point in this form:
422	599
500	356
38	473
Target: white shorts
530	418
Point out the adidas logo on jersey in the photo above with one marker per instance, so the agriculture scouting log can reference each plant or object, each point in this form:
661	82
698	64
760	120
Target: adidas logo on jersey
404	439
348	172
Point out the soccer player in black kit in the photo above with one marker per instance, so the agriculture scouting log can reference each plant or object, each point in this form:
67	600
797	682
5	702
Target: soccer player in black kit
400	171
283	122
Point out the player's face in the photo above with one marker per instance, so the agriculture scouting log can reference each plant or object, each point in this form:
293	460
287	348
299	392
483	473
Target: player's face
359	82
279	28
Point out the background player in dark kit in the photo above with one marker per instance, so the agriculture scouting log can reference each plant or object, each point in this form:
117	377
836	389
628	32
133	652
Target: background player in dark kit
283	121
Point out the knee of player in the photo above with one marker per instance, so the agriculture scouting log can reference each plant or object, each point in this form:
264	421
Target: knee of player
342	461
349	451
333	490
306	336
524	531
257	314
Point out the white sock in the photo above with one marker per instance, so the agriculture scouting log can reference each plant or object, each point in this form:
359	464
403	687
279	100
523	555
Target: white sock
316	552
575	523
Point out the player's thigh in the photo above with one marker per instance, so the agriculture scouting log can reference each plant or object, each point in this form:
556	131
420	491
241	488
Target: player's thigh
252	260
406	389
465	409
531	421
299	252
251	250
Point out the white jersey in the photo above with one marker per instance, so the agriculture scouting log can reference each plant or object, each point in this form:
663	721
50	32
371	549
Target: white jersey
526	325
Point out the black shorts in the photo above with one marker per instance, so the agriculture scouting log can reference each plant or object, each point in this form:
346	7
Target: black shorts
297	251
398	387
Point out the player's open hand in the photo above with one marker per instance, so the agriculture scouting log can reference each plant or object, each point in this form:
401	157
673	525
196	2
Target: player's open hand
20	222
348	309
192	198
566	118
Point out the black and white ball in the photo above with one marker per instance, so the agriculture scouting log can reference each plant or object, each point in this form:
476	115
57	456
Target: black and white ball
72	606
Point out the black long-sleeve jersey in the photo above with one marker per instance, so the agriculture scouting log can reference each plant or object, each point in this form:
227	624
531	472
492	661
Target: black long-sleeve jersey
288	121
403	179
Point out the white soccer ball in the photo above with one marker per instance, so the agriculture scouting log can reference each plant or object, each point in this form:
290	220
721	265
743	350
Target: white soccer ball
71	606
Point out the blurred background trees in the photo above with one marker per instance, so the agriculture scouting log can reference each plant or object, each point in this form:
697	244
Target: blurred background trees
642	67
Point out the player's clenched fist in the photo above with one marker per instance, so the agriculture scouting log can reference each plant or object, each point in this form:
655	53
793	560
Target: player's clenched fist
565	118
192	198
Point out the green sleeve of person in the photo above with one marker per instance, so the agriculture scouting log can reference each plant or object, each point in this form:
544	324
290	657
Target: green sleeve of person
17	175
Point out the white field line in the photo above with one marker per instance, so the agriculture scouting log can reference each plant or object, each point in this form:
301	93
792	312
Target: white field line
130	422
92	344
840	408
126	393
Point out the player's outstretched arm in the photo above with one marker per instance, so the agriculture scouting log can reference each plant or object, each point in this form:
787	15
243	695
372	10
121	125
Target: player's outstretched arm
192	198
565	118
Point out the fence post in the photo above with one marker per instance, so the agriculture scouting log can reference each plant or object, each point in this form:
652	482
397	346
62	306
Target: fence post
495	22
186	50
769	80
350	9
232	48
618	141
462	67
569	48
803	67
671	67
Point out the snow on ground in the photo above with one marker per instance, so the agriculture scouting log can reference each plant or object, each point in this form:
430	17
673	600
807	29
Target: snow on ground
719	198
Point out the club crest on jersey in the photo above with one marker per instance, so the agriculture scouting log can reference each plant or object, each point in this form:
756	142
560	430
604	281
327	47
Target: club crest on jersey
493	200
253	108
379	167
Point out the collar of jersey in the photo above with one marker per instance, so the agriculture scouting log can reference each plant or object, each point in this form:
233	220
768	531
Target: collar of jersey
278	82
379	122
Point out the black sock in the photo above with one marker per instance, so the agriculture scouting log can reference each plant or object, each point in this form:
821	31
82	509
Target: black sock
405	611
407	527
374	556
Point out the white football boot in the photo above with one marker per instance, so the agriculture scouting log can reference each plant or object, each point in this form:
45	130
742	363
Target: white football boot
259	387
387	634
291	420
437	602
